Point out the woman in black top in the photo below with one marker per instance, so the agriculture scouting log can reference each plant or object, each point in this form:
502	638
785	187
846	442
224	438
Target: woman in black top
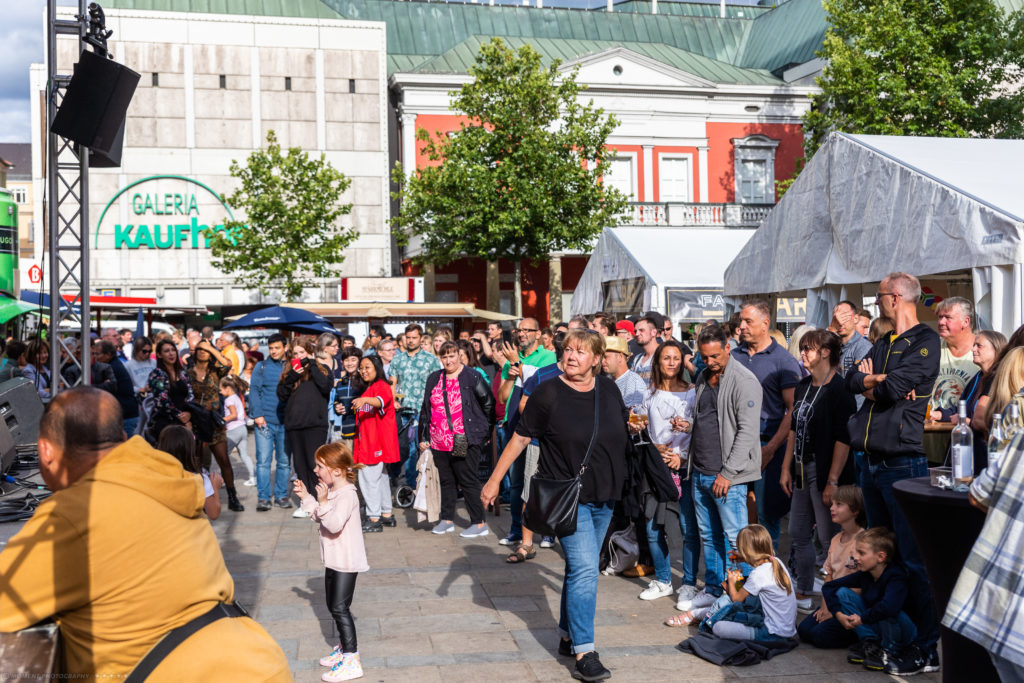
171	391
817	453
560	414
303	389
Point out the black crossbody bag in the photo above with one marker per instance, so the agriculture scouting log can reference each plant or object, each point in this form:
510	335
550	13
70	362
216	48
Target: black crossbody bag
553	504
460	444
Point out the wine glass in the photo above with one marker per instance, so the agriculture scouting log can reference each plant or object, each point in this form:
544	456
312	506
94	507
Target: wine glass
638	418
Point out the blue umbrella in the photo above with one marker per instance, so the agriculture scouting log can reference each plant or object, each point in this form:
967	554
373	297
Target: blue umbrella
279	317
140	325
311	328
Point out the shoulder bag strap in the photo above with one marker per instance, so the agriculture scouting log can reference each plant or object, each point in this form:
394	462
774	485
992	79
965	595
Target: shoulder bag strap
593	436
444	396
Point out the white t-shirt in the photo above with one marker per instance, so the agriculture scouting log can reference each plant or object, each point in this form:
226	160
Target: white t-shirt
140	370
954	374
779	607
239	420
643	368
661	407
207	484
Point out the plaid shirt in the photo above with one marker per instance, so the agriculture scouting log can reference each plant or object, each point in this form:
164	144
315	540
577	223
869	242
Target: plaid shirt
987	605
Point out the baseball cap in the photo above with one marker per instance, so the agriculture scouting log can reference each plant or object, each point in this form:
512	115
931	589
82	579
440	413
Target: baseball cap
616	344
625	325
657	318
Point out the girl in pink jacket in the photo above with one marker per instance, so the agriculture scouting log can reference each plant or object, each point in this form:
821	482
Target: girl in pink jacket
336	509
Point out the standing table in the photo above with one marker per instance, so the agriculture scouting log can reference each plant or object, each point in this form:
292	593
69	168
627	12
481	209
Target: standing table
945	526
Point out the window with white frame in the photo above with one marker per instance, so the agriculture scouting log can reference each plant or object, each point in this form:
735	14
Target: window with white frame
755	169
619	174
674	180
20	195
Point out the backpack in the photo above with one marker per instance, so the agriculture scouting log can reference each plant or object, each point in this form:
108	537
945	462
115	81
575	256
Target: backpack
623	551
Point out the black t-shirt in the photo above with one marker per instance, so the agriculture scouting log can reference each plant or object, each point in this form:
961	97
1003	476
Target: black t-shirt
562	419
820	420
706	442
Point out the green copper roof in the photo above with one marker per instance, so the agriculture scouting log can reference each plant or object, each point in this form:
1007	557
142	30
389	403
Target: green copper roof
309	9
695	9
790	34
461	57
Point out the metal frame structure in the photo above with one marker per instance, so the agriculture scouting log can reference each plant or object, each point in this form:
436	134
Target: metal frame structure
67	184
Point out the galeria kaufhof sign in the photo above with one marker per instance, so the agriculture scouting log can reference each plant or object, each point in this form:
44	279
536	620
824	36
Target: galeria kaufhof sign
161	212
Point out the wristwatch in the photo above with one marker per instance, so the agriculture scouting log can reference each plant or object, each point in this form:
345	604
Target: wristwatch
516	364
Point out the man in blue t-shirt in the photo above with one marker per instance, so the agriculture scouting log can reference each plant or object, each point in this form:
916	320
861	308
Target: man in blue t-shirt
778	372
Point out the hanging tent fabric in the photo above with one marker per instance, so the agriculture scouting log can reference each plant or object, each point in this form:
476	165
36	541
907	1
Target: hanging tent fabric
868	205
638	269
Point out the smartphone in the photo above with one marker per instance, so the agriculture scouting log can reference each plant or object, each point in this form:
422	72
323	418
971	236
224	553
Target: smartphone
296	364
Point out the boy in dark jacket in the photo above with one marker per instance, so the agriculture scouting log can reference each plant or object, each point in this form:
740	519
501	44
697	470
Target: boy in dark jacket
870	602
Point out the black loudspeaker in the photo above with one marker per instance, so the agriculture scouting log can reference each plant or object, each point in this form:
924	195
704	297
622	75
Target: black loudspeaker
111	159
8	451
95	103
21	409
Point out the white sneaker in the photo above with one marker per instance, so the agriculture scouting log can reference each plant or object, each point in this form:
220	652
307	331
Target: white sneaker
347	669
805	606
818	583
701	601
475	531
656	589
684	603
300	513
251	481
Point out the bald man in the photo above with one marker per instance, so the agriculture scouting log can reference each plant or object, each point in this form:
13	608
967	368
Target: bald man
120	556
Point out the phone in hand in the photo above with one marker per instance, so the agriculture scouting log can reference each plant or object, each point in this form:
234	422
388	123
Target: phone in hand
296	364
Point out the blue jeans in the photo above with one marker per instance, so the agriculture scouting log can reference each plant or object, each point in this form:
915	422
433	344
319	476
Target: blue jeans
828	634
894	633
131	425
657	541
409	422
719	520
882	510
270	446
764	518
579	588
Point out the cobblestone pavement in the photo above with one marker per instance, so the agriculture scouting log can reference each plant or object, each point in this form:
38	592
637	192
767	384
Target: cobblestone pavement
443	608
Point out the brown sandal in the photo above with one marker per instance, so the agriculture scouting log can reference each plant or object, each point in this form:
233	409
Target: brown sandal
522	554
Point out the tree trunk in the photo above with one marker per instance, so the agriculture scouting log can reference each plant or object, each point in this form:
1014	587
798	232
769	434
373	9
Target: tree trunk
517	290
554	290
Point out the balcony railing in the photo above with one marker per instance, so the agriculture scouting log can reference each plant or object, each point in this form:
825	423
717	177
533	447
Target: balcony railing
689	215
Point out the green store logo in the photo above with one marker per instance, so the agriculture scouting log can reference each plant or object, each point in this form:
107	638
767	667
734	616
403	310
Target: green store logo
162	220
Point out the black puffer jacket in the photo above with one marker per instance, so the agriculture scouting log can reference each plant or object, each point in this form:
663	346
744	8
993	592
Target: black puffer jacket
477	406
305	402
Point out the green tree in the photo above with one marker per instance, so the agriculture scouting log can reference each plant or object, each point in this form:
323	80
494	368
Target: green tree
521	177
944	68
290	235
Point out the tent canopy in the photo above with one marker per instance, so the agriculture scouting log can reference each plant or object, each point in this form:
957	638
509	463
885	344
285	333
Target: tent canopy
868	205
660	257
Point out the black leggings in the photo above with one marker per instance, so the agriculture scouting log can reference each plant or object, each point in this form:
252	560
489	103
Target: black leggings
340	587
304	443
463	472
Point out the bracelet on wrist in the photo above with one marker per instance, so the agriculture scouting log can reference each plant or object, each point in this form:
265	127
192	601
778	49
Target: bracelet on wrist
833	482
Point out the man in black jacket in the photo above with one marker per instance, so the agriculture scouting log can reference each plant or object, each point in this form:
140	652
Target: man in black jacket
121	387
896	380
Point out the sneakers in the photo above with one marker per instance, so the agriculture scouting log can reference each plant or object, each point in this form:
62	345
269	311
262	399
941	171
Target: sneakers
656	589
251	481
875	657
701	601
856	654
443	527
300	513
547	542
389	521
263	505
804	605
912	661
686	595
564	647
347	669
336	656
474	531
511	539
933	662
371	527
589	668
283	503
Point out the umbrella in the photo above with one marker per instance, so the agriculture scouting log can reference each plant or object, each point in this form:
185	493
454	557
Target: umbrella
311	328
12	308
140	325
278	317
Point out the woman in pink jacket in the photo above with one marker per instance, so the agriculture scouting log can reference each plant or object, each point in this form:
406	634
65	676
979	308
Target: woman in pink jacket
336	509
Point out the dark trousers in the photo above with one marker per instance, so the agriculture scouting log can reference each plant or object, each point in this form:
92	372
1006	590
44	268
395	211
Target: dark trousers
304	443
460	473
828	634
340	587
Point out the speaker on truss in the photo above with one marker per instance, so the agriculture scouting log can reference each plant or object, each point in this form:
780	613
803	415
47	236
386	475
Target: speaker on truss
95	103
21	409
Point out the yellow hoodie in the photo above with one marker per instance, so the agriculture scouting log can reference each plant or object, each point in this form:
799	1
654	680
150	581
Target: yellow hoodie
120	558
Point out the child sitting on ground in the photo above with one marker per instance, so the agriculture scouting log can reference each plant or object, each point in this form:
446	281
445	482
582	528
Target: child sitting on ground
847	510
179	441
762	607
870	601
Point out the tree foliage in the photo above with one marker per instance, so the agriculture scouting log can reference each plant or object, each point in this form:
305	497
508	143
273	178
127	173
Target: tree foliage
290	235
521	176
944	68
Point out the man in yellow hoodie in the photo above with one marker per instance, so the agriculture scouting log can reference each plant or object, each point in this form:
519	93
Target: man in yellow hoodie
120	555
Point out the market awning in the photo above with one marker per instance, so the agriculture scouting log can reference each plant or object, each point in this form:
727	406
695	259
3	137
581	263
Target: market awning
42	300
630	268
12	308
389	309
868	205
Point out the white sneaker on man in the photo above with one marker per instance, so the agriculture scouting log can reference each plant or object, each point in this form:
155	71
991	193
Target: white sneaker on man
686	595
804	606
701	600
656	589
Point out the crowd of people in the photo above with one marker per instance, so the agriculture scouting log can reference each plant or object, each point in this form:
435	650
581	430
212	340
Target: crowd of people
727	429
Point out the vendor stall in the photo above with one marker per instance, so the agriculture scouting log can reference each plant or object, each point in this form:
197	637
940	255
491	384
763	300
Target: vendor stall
943	209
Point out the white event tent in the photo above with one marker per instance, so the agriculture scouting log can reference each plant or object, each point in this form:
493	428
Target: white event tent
866	205
675	271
